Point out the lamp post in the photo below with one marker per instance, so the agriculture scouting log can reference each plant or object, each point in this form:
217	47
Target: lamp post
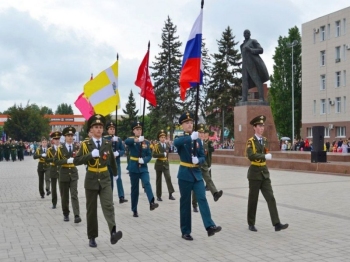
294	43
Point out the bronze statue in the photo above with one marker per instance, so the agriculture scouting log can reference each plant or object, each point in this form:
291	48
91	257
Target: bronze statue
254	71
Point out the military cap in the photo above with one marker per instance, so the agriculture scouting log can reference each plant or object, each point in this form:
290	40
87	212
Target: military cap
200	128
207	130
136	124
96	119
161	133
56	134
110	124
258	120
69	130
188	116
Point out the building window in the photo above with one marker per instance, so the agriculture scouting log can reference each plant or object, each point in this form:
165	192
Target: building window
314	109
323	82
323	33
337	54
323	58
340	131
323	106
344	78
337	29
309	132
337	104
344	103
344	52
326	131
344	26
337	79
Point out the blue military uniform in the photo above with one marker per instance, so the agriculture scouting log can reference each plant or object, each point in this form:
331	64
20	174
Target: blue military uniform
190	179
139	171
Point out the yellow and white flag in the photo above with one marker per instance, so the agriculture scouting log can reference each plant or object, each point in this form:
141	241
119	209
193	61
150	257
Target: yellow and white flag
102	91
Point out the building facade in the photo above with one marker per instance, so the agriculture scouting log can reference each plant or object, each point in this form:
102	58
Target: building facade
325	67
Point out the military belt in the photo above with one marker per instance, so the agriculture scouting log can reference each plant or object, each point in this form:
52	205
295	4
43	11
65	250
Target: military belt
162	159
188	164
41	161
68	165
97	170
134	158
258	164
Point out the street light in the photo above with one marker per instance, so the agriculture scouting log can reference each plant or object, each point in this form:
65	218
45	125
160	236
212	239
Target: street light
294	43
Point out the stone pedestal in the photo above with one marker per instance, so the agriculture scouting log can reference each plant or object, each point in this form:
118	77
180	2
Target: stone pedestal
243	114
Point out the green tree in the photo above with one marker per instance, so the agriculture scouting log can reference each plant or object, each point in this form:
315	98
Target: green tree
225	84
166	71
46	111
27	123
64	109
124	126
280	93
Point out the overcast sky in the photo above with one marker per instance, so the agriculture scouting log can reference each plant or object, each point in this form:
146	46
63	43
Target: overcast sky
49	48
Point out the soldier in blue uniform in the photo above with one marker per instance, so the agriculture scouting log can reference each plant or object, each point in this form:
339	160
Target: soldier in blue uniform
118	148
140	155
190	178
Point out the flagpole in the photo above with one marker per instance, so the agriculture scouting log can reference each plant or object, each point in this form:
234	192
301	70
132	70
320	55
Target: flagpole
116	107
144	97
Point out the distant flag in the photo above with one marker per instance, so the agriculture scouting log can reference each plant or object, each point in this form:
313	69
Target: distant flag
191	73
102	91
143	81
84	106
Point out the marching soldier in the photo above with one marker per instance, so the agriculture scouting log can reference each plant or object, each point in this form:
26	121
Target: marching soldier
160	151
53	170
140	155
190	178
259	176
97	153
7	150
40	154
205	172
211	149
1	150
118	148
13	150
20	150
68	174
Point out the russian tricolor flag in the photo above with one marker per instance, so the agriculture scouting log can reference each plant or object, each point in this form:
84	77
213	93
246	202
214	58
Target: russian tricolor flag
191	64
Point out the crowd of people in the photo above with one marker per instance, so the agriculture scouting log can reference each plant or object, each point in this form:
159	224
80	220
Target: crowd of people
340	146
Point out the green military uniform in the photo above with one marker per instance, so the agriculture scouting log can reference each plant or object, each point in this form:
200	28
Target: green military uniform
210	151
20	150
53	169
13	151
259	178
7	150
68	176
1	151
160	151
42	169
98	182
204	167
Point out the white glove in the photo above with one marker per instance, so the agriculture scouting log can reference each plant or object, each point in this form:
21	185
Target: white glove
164	154
115	178
209	168
194	135
195	160
268	156
141	160
70	160
95	153
115	138
43	155
116	153
141	138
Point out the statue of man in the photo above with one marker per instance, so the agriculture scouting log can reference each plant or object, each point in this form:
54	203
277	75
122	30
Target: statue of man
254	71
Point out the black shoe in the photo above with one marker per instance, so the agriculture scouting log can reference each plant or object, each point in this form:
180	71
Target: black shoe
135	214
171	197
77	219
217	195
279	226
92	242
195	209
159	199
48	193
116	236
42	196
66	218
187	237
253	228
153	206
53	206
212	230
122	200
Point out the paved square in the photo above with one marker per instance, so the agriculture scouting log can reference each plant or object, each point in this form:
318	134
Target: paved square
315	206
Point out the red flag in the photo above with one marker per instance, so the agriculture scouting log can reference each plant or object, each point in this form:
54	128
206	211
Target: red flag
84	106
143	81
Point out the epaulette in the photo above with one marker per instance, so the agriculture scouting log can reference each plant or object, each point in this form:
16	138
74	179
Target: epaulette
131	136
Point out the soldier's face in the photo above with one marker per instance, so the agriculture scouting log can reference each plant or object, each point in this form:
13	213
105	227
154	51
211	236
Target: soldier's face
96	131
162	139
69	138
56	141
187	126
201	135
137	131
111	131
44	143
206	136
259	129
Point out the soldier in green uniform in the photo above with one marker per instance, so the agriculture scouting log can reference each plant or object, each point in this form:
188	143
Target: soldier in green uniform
140	155
40	154
97	153
1	150
190	178
7	150
205	172
160	151
118	148
259	176
53	170
211	149
20	150
13	150
68	174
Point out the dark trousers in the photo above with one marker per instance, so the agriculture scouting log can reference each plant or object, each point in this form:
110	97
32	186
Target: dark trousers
47	180
120	187
41	175
167	180
72	187
266	189
54	190
106	200
135	185
209	183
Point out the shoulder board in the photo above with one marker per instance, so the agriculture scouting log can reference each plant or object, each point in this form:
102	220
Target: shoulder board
131	136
